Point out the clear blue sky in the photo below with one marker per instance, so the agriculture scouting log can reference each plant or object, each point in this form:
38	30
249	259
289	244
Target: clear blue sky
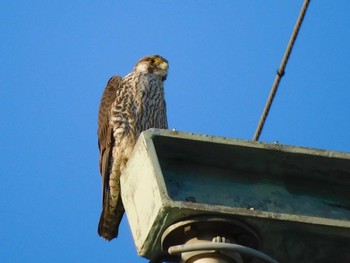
56	57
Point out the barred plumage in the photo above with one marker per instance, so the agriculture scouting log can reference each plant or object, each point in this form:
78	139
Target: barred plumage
138	104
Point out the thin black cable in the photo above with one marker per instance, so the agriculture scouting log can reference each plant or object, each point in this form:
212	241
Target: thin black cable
280	71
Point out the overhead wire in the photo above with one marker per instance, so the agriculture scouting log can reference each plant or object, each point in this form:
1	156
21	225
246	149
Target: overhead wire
280	71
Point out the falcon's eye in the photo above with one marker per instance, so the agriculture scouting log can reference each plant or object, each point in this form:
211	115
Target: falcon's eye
152	61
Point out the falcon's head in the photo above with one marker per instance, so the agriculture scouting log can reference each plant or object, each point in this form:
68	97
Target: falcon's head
154	64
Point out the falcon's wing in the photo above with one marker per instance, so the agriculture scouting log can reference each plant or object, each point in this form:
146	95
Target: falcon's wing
104	130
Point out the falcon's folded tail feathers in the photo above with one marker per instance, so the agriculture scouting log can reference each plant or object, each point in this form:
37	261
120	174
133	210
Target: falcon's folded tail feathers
110	219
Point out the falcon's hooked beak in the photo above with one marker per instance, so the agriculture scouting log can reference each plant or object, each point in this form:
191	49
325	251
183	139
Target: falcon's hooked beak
163	66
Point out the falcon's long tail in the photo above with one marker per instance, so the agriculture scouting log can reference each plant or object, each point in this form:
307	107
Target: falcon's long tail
110	218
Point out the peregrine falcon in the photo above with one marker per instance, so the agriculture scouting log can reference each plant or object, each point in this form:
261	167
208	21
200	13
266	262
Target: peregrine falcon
128	106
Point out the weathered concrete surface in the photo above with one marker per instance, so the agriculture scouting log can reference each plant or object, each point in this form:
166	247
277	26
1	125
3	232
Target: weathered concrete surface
297	198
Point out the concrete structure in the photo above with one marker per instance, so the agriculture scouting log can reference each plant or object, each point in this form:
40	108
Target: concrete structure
296	199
